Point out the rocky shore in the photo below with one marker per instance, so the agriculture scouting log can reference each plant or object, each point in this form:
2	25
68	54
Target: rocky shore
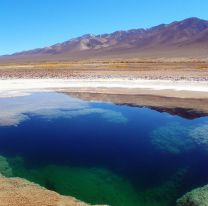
196	197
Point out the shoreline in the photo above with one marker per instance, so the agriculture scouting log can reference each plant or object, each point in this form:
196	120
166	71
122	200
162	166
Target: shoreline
17	191
168	88
188	108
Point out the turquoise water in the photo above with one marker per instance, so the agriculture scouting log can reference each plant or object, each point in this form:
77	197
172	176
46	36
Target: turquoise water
102	153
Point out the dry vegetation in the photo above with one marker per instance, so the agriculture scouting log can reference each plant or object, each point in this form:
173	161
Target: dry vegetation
177	68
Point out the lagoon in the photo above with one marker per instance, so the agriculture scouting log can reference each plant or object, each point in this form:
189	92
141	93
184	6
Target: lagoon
102	152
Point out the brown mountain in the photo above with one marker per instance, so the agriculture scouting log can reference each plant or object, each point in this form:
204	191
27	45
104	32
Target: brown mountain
188	38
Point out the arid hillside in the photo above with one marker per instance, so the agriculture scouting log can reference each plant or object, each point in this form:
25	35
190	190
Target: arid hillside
186	38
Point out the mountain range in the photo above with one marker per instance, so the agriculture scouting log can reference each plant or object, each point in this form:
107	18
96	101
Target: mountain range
186	38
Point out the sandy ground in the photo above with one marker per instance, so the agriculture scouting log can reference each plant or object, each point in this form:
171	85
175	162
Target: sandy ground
168	69
175	77
20	192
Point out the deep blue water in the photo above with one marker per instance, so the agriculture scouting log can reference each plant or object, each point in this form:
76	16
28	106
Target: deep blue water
144	148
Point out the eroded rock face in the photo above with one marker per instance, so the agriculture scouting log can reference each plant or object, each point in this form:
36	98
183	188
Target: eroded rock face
20	192
197	197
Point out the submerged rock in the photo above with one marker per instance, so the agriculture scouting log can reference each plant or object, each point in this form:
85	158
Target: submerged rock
172	138
20	192
5	168
165	193
200	135
197	197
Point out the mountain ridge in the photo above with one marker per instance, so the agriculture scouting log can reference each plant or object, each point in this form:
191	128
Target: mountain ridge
186	37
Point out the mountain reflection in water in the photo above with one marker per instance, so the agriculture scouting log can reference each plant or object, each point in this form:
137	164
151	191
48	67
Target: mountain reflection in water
184	107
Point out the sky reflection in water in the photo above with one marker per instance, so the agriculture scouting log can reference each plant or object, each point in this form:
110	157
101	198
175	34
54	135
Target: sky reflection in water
49	105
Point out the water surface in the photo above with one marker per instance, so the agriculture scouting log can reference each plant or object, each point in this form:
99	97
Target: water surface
102	153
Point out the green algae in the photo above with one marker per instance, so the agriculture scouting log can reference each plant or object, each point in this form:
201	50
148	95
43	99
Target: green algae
95	186
5	168
99	185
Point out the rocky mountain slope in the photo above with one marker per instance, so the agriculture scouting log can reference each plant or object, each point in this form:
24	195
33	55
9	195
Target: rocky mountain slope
188	37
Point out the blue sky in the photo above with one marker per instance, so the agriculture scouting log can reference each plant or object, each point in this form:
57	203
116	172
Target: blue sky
27	24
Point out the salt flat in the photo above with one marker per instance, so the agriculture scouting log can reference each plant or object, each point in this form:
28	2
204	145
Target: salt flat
21	87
